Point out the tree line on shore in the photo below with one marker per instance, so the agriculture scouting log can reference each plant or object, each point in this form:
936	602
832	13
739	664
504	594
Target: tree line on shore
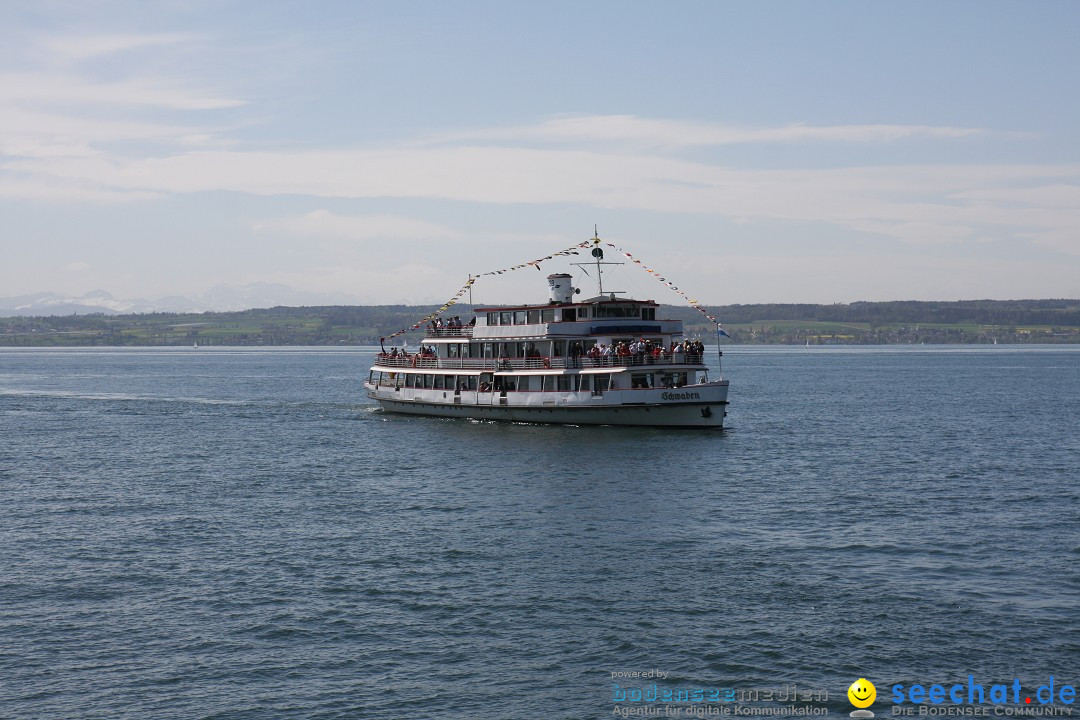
849	323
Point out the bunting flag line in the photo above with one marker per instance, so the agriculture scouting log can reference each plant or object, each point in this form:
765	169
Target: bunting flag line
693	303
573	250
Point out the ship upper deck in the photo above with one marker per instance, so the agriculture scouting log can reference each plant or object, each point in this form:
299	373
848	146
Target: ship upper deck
604	316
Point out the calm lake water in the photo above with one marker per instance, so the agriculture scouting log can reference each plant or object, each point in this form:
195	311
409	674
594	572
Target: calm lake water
235	533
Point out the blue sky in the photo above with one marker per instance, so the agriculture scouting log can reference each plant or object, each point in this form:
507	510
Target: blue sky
380	152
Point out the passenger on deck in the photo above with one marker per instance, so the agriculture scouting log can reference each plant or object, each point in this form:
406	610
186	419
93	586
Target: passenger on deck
575	354
594	355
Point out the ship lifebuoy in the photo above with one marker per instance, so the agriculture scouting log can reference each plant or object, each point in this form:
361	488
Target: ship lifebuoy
547	363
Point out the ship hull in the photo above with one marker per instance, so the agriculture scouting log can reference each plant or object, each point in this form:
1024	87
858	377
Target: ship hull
702	406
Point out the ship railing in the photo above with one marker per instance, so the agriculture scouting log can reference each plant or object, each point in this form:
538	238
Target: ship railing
424	361
536	363
463	331
638	360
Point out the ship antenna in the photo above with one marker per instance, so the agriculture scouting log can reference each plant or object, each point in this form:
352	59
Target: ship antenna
599	255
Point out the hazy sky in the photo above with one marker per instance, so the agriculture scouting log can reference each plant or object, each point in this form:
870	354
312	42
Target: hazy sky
381	151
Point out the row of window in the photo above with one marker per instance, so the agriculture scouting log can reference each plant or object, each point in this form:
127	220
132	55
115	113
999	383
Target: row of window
511	383
527	349
569	314
529	383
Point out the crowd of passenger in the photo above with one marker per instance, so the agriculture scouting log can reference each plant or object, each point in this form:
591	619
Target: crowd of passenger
637	352
453	323
425	352
640	352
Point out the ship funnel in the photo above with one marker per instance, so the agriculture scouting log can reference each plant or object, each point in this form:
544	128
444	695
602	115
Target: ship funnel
560	289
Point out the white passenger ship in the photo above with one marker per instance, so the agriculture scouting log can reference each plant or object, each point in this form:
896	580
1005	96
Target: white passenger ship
601	361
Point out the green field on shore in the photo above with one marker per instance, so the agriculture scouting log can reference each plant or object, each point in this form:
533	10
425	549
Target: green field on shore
1025	321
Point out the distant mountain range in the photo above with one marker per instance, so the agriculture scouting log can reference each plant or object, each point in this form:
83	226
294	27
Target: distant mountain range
221	298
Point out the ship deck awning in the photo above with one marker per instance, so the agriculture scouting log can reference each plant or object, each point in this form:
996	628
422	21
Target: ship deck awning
428	370
563	371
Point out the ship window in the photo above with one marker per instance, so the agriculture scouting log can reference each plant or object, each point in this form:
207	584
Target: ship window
564	383
438	382
677	380
547	316
601	383
615	311
534	317
583	312
641	381
506	318
519	317
493	318
453	351
429	381
568	315
648	313
471	384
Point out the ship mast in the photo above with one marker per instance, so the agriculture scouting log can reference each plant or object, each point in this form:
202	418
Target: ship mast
598	253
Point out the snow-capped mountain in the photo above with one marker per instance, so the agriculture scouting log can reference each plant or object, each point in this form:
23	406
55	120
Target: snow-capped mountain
219	298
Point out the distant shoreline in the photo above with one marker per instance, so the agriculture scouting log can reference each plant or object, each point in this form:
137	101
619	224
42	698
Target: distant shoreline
1049	321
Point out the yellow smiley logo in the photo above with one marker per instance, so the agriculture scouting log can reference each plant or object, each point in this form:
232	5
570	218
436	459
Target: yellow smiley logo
862	693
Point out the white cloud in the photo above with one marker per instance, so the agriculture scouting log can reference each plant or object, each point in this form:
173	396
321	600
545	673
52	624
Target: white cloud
324	224
35	133
76	112
924	204
84	47
60	190
40	88
677	133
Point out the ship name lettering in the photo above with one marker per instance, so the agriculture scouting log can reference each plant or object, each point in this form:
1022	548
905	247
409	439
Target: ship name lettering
680	396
